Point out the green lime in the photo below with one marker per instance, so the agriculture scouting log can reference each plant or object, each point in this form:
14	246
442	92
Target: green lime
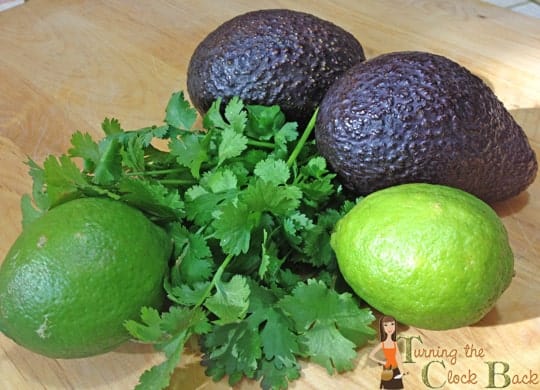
74	276
432	256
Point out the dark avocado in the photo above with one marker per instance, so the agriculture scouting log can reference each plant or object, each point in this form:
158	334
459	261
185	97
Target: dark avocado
268	57
419	117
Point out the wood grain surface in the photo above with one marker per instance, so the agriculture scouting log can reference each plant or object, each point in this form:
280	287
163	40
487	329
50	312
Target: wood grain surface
65	65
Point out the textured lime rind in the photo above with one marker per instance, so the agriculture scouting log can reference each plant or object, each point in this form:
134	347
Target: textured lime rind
76	274
432	256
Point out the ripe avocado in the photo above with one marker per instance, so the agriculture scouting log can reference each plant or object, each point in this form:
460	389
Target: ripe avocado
420	117
268	57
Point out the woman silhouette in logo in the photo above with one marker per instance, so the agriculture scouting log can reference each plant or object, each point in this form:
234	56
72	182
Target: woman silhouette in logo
391	377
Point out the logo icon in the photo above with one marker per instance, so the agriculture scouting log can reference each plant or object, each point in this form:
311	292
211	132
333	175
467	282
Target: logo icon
392	365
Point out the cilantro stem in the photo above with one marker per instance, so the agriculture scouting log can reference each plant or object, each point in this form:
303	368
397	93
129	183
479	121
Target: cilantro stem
178	181
159	172
156	172
261	144
302	141
217	276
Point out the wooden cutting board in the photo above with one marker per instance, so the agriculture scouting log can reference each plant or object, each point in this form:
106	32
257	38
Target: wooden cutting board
65	65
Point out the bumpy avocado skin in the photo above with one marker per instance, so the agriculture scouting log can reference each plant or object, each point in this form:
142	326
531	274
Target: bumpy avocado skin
272	56
419	117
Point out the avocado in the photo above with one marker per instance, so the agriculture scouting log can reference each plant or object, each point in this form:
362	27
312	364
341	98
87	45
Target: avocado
271	57
415	116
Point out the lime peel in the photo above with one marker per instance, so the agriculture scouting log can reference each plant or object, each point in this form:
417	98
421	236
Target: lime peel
432	256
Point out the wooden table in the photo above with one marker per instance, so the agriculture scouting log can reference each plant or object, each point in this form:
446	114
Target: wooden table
65	65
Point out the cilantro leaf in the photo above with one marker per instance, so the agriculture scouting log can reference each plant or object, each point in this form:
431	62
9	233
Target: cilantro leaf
148	134
287	133
169	332
83	146
277	378
39	191
152	197
279	200
193	256
316	182
150	330
294	225
102	159
213	117
179	113
232	349
317	239
191	150
235	114
280	344
270	262
109	166
29	213
329	348
320	324
182	319
219	180
111	126
230	301
64	179
201	204
159	376
232	145
187	295
132	153
272	171
263	121
233	224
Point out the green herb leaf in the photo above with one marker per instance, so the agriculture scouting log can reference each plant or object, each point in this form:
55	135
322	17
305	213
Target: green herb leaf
63	179
264	122
275	378
220	180
159	376
233	349
181	319
132	153
179	113
280	344
191	150
39	190
150	330
213	118
152	197
272	171
232	145
187	295
317	240
111	126
325	325
109	166
169	332
233	224
193	257
29	212
230	301
85	148
265	196
236	115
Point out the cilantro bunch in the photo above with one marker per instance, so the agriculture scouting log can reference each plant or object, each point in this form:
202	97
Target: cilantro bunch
250	206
